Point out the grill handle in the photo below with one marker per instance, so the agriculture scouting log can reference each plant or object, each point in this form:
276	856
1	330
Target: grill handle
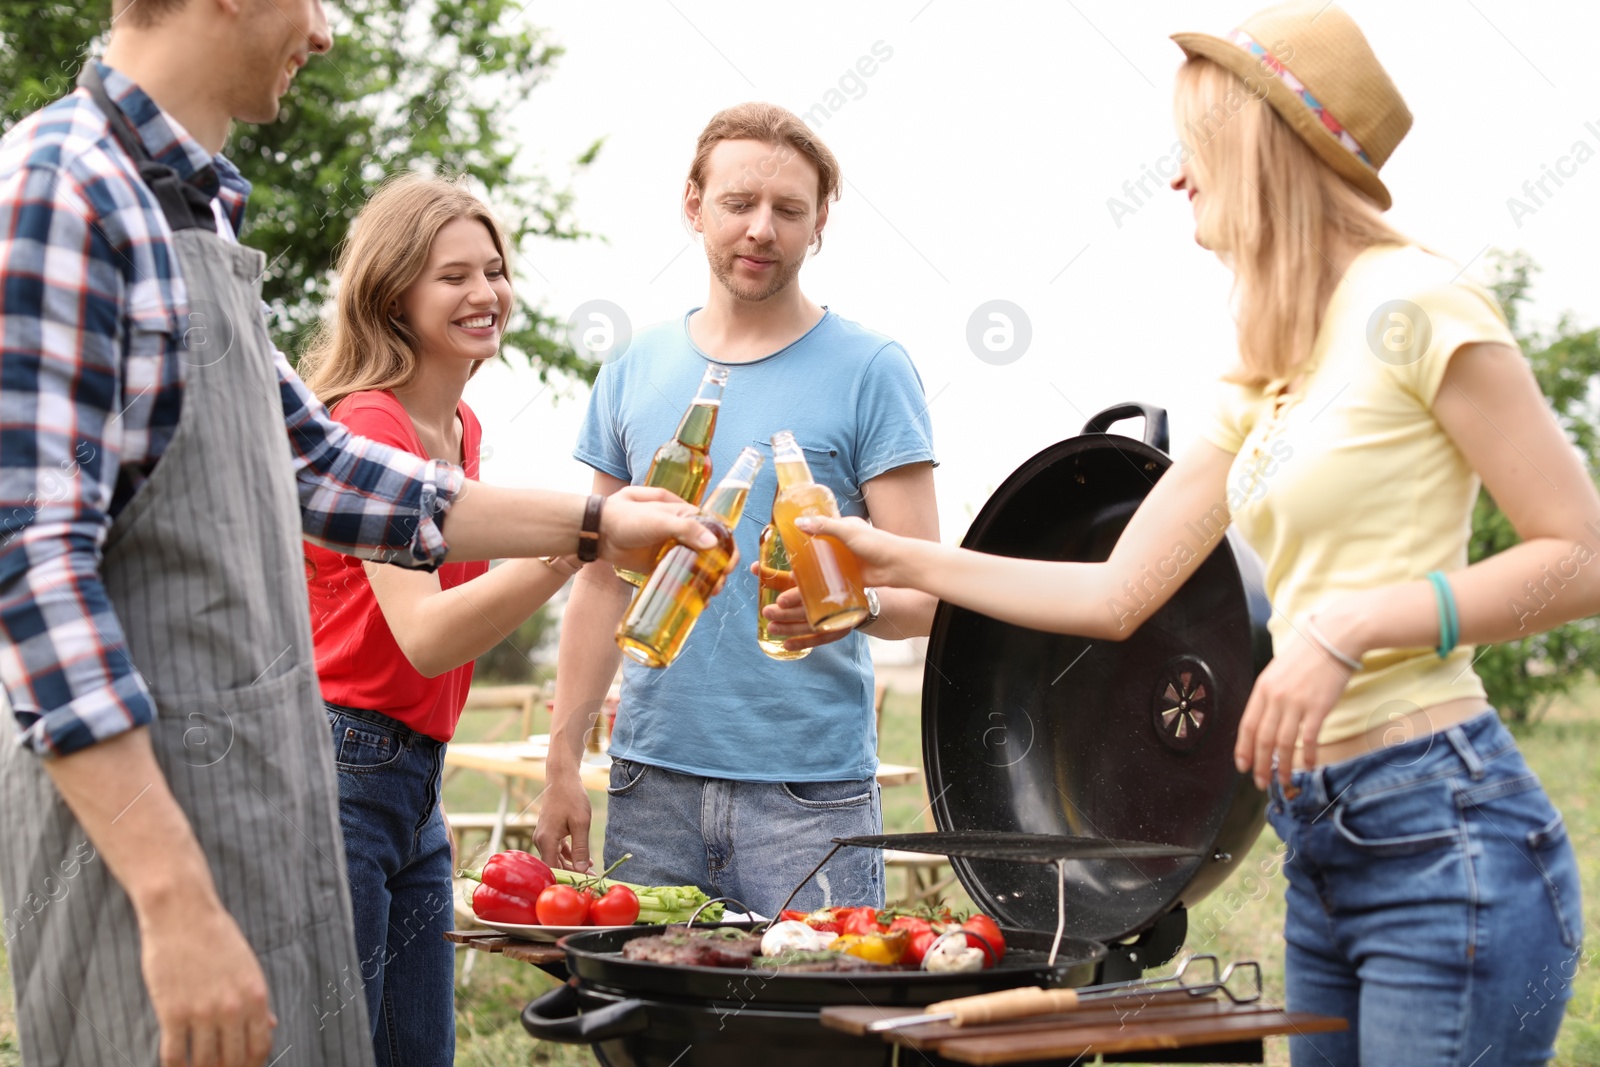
1155	422
1007	1004
555	1017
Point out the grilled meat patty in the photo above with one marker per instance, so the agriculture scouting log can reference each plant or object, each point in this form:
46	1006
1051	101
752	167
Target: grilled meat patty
716	947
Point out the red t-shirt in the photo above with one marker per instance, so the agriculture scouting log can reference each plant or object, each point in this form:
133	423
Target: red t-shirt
358	661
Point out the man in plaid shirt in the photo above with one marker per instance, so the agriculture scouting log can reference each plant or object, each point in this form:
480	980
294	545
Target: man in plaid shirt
93	313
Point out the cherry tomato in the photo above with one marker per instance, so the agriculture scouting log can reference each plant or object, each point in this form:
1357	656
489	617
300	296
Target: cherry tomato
989	930
921	935
618	907
562	905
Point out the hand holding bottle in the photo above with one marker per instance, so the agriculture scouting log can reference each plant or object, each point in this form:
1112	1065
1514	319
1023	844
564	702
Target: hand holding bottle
886	559
638	522
784	614
683	580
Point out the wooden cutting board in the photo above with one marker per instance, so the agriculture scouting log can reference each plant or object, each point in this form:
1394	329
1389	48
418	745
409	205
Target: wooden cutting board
512	948
1133	1024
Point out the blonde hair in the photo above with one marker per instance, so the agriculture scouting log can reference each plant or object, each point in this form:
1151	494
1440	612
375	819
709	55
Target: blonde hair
362	346
773	125
1272	207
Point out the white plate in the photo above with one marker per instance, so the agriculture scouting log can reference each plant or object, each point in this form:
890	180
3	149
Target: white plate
548	934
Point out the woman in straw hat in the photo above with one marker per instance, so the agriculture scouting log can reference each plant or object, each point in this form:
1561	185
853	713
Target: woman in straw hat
1433	896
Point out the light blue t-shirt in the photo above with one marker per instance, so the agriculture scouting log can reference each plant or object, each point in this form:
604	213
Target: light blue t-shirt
724	709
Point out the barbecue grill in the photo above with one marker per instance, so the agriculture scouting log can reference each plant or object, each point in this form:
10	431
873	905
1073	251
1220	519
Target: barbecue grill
1084	791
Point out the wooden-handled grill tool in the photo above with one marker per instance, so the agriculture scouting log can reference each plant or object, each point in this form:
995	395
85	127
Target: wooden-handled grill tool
1197	976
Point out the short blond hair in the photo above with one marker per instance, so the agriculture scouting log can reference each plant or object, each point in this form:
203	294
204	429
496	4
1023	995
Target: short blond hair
773	125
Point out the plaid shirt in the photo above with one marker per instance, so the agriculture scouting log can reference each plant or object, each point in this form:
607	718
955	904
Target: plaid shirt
90	392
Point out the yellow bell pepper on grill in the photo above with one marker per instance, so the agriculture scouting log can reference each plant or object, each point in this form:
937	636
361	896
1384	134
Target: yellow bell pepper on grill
887	948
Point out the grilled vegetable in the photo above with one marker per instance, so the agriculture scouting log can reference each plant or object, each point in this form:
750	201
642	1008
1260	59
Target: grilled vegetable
989	930
859	921
920	934
793	936
952	955
874	948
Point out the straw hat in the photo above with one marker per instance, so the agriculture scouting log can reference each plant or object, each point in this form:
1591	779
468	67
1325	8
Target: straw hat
1319	73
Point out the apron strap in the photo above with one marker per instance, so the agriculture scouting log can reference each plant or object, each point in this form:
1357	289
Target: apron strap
185	205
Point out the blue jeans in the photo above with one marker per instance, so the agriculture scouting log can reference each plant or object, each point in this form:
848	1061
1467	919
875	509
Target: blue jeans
398	854
752	841
1433	902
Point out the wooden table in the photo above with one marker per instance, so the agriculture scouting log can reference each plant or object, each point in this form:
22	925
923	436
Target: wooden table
538	953
1134	1024
525	761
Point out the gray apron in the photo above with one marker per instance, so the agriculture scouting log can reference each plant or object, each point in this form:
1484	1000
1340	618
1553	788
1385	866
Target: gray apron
204	567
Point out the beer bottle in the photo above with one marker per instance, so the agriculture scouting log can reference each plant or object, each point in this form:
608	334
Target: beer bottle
826	572
683	464
773	558
665	610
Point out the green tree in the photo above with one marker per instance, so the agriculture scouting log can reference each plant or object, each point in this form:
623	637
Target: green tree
1524	676
410	84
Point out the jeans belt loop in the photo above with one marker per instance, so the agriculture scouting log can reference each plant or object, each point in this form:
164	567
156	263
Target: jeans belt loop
1463	746
1319	787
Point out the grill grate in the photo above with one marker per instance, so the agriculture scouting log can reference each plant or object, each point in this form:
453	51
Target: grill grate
1020	848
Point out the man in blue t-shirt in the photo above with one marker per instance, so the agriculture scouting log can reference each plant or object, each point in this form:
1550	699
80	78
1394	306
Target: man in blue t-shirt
732	770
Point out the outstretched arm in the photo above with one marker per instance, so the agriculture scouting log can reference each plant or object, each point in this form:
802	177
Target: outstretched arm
1175	529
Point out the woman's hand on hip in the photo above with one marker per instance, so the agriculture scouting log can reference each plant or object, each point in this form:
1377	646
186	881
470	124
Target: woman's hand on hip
1288	705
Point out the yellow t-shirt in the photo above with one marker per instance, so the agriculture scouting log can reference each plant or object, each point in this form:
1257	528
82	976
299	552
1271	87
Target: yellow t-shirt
1350	482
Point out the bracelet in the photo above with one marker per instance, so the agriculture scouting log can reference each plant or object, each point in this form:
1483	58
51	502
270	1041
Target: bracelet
560	565
589	536
1350	662
1449	619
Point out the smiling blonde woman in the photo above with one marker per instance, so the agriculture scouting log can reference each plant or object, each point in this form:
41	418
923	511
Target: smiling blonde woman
424	297
1431	883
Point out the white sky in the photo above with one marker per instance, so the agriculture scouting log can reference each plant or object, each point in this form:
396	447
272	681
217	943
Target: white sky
979	159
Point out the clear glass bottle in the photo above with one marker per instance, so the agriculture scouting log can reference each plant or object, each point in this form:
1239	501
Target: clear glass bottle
773	558
663	613
826	572
683	464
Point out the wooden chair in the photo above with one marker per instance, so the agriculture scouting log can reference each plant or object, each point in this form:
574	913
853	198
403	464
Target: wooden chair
526	699
923	879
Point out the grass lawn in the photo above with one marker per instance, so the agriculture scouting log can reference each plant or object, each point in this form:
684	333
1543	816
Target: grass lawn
1243	919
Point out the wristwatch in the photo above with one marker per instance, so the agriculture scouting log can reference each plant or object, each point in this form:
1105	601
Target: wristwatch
874	607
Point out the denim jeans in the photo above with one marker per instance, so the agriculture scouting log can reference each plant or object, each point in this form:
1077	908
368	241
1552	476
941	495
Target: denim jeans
1433	902
753	841
398	854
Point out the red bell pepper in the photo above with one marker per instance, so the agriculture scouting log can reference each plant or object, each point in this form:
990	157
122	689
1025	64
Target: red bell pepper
861	921
508	887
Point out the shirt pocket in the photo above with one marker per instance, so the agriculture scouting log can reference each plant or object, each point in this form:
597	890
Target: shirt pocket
152	335
826	469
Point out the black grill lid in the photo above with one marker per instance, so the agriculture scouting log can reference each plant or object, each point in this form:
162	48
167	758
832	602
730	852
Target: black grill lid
1032	733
